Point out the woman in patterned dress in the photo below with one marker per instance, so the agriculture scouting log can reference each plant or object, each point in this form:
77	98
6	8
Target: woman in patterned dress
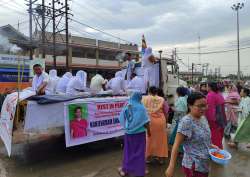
194	134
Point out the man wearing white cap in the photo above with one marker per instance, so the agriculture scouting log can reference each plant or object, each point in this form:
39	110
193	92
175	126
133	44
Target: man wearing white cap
150	71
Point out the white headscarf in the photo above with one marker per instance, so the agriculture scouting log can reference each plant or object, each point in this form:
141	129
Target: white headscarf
67	75
81	77
52	84
77	83
53	73
119	74
63	82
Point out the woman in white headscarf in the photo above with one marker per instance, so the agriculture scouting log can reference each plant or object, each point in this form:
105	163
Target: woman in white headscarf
52	83
77	84
116	84
63	82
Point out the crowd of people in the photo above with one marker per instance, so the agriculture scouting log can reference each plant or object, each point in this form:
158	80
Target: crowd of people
203	117
137	76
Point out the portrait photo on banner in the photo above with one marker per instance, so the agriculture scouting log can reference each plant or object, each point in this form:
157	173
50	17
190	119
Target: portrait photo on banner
78	115
92	120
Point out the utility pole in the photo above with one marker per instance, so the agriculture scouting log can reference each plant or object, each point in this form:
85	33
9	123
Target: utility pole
30	10
18	25
192	73
199	48
172	65
54	33
54	14
237	7
176	66
30	16
67	34
160	70
43	29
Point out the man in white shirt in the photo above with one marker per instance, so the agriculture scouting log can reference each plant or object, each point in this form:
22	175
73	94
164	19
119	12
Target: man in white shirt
97	83
116	84
137	84
40	80
130	66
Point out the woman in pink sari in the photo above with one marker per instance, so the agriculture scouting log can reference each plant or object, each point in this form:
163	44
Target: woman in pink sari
232	107
215	114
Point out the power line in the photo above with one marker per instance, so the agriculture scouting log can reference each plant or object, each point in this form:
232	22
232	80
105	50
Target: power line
101	31
12	9
81	32
16	2
93	12
213	52
21	22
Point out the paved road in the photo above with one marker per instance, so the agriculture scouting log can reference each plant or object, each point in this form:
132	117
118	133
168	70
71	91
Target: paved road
50	158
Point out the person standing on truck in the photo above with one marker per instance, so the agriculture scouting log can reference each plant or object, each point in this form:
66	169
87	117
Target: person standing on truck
148	61
40	80
130	66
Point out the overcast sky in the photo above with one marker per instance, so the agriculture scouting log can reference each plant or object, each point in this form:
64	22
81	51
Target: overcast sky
166	24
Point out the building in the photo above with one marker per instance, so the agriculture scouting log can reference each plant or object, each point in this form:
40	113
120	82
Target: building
84	53
187	76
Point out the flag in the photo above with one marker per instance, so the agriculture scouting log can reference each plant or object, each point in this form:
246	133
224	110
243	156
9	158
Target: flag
143	45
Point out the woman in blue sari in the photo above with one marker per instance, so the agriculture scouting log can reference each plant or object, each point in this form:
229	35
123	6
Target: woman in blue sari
135	120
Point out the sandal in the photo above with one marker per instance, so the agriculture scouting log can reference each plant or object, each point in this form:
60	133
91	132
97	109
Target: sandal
232	145
121	172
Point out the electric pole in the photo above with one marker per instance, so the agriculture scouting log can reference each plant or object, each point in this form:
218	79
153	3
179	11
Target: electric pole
55	14
67	34
30	11
237	7
43	29
54	32
199	48
192	76
160	70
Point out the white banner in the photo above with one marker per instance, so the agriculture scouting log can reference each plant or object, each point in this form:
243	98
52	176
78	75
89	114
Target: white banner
92	120
8	114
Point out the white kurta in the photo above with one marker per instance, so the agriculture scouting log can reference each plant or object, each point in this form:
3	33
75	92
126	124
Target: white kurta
38	80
